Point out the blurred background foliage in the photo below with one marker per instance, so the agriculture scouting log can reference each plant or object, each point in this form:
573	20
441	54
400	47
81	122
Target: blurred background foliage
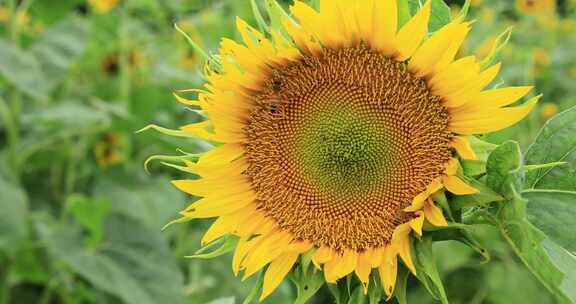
80	218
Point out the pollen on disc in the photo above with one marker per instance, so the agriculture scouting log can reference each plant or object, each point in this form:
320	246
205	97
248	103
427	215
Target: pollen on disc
340	142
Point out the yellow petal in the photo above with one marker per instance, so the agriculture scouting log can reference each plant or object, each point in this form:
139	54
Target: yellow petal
243	56
432	50
450	53
402	242
303	39
434	214
322	255
418	201
490	120
222	154
340	266
496	98
217	206
256	42
276	272
363	269
384	25
265	251
200	131
388	270
332	23
451	167
377	256
463	147
365	18
221	226
411	34
245	244
417	222
455	185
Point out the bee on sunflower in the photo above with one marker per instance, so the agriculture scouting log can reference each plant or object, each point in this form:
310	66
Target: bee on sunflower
333	134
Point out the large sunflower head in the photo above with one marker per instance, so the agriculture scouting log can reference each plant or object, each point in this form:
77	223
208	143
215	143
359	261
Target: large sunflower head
332	134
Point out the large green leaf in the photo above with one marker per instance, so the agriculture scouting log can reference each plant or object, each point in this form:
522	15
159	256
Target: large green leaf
556	142
133	263
554	212
22	70
504	175
427	270
567	262
153	201
13	213
58	48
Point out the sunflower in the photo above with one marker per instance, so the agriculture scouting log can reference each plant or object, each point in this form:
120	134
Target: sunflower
103	6
530	7
333	135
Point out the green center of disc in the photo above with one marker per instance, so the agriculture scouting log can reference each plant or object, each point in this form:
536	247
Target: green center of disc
343	151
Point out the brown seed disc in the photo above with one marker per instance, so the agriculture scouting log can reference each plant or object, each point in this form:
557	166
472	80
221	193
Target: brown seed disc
339	143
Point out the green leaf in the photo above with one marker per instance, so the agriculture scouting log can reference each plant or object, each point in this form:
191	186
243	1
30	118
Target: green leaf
483	197
555	143
307	280
276	13
22	70
252	297
223	245
401	285
565	261
13	214
357	296
473	167
152	201
554	213
504	174
439	13
58	48
427	270
504	169
134	262
403	12
90	214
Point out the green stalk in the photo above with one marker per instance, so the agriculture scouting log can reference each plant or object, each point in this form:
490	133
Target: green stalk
9	121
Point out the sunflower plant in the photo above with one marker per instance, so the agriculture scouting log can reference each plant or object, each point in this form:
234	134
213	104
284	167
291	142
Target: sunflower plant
347	139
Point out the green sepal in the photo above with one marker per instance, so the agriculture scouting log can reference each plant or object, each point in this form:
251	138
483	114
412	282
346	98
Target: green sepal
427	272
483	197
262	26
213	62
498	45
276	14
217	248
462	233
171	158
307	280
256	290
402	275
180	220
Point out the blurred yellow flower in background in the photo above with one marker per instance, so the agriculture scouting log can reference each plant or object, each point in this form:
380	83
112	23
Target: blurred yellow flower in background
541	57
530	7
108	151
548	110
22	17
103	6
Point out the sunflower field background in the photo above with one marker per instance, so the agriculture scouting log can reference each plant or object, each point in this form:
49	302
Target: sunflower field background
81	218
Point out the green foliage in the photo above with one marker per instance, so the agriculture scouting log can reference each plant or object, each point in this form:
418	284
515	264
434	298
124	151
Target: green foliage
80	221
555	143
